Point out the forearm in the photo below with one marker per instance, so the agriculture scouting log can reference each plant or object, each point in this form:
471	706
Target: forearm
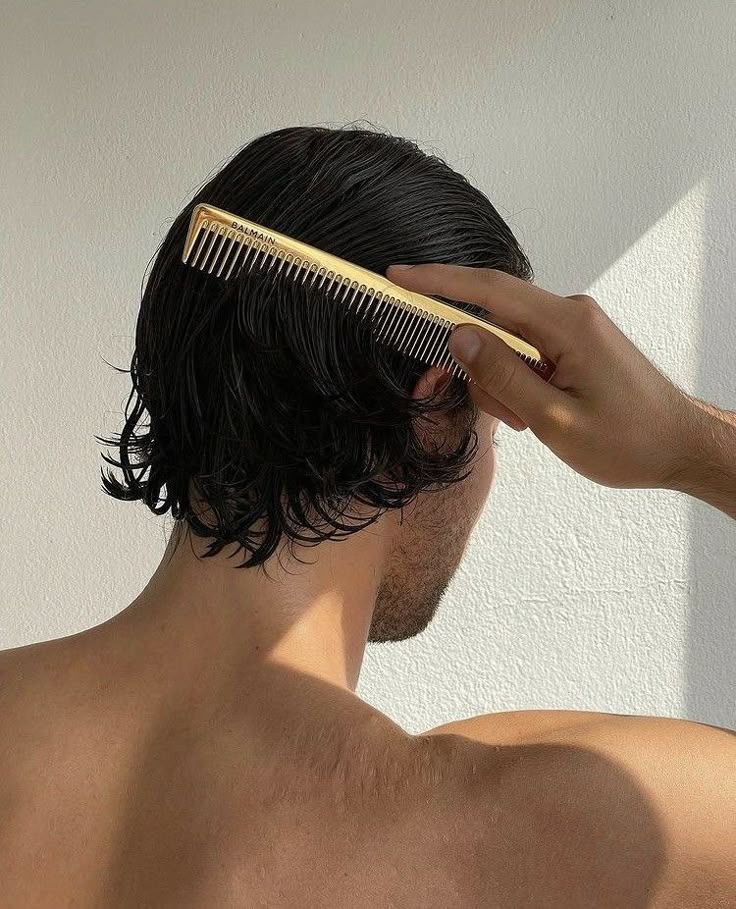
706	465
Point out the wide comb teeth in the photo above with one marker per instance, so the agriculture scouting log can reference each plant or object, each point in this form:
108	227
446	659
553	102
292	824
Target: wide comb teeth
219	243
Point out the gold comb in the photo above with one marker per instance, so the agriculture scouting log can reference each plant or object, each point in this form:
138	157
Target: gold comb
415	324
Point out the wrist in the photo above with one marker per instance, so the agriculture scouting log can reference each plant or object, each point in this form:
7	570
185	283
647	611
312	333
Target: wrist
703	462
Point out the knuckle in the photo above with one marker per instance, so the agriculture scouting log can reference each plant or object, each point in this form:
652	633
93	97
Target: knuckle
491	276
589	312
492	282
438	277
425	269
585	299
436	269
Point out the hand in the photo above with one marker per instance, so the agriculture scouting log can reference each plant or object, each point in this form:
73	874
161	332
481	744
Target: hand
607	411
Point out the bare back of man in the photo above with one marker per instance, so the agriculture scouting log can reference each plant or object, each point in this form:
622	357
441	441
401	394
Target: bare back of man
111	797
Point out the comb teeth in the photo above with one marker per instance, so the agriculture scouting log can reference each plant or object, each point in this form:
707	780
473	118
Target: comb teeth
417	325
416	334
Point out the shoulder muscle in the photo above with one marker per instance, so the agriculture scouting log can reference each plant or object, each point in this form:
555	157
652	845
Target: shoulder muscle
599	809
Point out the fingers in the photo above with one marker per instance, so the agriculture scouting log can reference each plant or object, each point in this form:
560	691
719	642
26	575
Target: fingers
494	407
502	375
536	314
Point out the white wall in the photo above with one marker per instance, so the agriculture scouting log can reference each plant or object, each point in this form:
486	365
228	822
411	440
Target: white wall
603	131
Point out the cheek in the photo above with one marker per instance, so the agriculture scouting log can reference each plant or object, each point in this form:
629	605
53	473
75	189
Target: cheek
480	481
485	460
486	472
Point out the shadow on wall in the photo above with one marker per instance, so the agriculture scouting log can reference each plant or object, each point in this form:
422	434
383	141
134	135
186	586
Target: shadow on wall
710	694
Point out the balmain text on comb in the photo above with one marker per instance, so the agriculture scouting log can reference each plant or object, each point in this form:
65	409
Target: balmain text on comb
416	325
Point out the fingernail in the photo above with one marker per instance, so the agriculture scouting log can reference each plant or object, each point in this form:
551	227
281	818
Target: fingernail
401	266
465	344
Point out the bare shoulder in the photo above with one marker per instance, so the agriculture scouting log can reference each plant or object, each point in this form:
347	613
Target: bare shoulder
42	695
31	669
584	808
623	737
19	668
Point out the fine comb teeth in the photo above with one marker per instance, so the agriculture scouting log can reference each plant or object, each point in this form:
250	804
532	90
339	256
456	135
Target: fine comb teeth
414	324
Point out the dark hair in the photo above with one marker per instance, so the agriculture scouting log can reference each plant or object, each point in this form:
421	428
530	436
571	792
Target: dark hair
278	404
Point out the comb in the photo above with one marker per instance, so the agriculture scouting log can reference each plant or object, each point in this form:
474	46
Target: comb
416	325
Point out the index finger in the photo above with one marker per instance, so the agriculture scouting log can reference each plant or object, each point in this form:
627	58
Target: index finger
512	303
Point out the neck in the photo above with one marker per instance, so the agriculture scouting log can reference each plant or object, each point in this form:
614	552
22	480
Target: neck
209	649
309	613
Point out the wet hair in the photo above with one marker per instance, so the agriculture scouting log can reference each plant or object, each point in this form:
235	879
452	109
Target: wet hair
276	404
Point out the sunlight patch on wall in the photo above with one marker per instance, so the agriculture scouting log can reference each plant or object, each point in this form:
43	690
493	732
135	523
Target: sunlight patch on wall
654	290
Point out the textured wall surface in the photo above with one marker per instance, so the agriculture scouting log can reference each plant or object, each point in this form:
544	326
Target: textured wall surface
604	132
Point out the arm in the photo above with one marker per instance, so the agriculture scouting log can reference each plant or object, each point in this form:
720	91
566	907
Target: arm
607	411
707	466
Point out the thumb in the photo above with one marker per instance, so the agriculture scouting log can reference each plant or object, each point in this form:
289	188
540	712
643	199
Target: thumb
500	372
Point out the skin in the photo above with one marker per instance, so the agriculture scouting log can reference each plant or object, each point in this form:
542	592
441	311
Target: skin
205	745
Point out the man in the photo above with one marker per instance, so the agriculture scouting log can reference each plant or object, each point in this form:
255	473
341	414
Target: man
205	747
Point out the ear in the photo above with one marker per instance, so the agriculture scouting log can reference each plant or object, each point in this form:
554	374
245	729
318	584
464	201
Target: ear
431	383
433	429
